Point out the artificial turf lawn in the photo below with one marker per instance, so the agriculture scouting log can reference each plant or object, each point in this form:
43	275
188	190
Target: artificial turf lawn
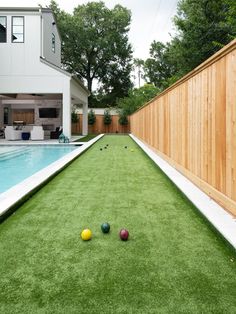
86	138
173	263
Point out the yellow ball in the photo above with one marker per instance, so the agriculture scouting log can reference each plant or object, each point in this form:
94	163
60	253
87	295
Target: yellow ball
86	234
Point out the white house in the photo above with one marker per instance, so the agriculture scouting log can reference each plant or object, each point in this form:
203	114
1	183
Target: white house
33	86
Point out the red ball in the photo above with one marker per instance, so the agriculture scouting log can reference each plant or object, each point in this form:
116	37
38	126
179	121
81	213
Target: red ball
124	234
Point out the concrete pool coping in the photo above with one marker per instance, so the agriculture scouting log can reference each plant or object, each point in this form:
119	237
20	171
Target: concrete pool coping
73	141
224	223
19	192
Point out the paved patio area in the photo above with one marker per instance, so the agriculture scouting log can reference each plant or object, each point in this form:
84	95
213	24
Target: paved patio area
47	141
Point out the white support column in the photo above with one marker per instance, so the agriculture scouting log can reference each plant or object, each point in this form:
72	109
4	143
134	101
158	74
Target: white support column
85	119
66	112
1	114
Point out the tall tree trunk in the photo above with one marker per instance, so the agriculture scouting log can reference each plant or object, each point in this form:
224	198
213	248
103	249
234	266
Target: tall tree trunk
89	86
90	83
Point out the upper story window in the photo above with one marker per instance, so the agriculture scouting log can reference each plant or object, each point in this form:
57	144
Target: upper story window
17	29
53	43
3	29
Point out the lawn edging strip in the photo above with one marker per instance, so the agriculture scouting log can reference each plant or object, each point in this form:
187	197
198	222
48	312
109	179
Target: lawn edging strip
18	194
224	223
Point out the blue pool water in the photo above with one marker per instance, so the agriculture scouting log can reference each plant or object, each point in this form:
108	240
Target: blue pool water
19	162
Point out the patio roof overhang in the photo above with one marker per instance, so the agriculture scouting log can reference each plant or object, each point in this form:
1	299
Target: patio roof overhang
50	82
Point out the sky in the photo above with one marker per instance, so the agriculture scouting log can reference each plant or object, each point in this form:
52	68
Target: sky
151	19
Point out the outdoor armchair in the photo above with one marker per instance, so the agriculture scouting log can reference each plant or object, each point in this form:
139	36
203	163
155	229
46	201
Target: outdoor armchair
37	133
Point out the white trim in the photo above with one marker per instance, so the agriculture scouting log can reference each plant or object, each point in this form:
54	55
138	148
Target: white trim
53	66
214	213
15	194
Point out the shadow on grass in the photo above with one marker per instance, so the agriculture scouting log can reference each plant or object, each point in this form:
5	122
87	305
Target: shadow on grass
87	138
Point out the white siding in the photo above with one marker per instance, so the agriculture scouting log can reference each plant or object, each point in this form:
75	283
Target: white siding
24	58
20	58
50	28
22	71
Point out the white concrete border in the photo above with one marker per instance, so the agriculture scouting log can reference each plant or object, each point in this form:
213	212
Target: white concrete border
214	213
4	142
15	194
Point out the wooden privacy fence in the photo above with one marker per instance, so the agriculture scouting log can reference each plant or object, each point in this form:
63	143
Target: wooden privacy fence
192	125
99	126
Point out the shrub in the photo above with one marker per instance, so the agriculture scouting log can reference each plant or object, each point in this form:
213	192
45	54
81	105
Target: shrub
137	98
74	117
91	117
123	118
107	119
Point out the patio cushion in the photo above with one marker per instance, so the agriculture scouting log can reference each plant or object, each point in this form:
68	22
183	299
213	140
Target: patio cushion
11	134
37	133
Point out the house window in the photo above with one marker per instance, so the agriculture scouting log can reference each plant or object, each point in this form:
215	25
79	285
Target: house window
3	29
17	29
53	43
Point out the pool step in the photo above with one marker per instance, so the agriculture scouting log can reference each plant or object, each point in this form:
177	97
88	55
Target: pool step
13	153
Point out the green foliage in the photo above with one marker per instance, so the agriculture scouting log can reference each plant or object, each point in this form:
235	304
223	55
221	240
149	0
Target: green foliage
231	20
91	117
202	28
95	46
107	118
74	117
123	118
159	68
136	98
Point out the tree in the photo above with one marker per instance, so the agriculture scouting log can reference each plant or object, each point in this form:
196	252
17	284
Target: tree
91	117
123	118
74	115
231	18
107	118
116	84
159	69
136	98
138	63
95	45
202	29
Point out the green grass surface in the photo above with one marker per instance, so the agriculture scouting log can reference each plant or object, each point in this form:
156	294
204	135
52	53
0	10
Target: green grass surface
86	138
173	263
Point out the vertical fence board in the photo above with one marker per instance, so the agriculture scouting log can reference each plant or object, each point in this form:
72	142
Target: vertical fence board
193	126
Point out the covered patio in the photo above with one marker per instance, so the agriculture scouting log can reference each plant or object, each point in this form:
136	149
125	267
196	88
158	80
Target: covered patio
44	101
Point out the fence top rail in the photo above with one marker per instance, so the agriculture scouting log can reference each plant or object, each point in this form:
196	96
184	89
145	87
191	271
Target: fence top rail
214	58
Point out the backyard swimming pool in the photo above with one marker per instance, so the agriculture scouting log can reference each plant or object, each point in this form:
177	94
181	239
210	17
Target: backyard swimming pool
20	162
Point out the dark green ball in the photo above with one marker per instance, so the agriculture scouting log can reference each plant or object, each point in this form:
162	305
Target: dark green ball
105	227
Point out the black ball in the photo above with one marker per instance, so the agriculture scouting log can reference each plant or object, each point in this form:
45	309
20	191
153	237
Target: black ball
105	147
126	146
100	148
105	227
